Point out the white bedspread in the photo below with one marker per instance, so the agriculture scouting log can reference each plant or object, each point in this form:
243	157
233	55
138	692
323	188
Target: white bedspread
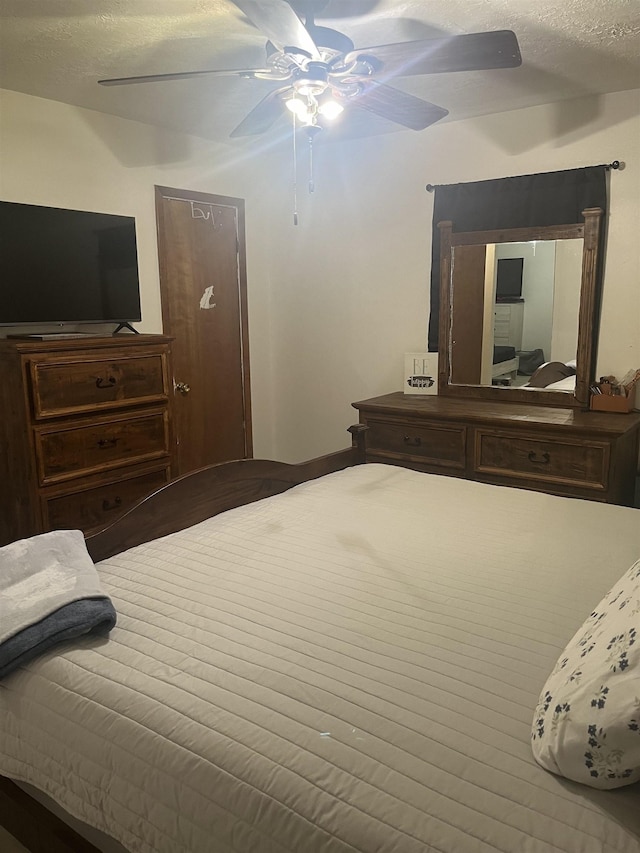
350	666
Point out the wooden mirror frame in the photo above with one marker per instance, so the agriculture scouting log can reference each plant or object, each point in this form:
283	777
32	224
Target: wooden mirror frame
590	286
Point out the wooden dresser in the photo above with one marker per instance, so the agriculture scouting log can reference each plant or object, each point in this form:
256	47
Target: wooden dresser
582	454
508	324
84	430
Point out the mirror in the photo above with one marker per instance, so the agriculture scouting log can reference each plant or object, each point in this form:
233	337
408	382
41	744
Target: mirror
517	315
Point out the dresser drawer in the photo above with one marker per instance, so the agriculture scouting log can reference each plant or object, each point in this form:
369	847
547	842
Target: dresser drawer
561	461
90	508
439	444
501	333
79	448
72	386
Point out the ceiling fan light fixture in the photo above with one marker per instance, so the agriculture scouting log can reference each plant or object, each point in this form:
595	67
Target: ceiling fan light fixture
330	108
301	109
309	88
312	81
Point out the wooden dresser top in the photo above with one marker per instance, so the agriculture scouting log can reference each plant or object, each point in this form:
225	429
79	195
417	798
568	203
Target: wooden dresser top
505	414
86	342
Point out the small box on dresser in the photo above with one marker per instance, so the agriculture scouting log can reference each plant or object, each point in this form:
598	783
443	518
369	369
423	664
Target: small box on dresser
612	403
85	430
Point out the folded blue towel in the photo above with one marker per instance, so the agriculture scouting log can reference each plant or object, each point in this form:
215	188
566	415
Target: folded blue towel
49	592
86	616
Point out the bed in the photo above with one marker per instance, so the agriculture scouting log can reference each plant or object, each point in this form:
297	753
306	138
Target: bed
350	665
505	362
553	376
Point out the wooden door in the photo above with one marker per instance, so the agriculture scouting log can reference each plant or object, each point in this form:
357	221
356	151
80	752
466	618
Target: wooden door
201	248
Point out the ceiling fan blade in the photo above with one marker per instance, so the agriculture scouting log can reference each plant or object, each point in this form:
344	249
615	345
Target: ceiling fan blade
263	116
334	8
277	20
398	106
469	52
181	75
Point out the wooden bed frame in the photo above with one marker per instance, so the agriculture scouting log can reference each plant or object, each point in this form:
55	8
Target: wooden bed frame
182	503
502	368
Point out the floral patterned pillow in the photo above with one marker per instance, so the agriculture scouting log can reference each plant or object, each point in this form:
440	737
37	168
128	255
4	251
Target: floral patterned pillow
586	725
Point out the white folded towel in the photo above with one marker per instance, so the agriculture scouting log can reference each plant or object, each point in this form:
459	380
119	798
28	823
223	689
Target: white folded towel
49	592
40	575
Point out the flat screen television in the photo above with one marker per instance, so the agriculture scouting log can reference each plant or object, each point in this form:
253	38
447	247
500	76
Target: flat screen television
509	279
62	266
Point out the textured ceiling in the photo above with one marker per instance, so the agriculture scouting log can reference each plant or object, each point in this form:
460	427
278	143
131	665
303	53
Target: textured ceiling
58	49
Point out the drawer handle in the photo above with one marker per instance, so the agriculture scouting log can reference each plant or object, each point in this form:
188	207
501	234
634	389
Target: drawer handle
107	442
412	442
108	505
542	460
109	382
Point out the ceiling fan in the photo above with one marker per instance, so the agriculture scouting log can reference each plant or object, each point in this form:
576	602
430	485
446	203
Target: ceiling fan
319	72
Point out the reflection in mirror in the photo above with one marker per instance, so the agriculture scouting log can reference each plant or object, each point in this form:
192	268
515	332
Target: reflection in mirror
514	308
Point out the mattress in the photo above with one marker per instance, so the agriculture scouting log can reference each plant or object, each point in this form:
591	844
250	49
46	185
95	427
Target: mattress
350	666
504	353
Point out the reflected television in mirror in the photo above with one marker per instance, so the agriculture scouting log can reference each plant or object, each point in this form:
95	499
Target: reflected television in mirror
509	279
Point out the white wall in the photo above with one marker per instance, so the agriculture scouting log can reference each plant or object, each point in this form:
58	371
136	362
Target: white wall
350	285
336	301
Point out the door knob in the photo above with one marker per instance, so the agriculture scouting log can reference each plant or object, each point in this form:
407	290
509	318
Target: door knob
182	387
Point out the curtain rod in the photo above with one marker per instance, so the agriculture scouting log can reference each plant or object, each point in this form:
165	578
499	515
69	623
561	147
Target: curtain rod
616	164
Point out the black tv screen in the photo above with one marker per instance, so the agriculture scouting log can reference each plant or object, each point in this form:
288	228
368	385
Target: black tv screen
66	266
509	279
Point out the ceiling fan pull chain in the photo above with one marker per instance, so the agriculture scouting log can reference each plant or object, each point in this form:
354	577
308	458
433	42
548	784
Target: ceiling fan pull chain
295	171
312	186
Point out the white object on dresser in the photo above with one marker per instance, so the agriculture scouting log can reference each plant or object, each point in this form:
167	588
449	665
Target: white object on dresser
420	373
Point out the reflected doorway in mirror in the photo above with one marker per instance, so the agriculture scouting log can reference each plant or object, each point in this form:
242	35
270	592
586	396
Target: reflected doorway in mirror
420	373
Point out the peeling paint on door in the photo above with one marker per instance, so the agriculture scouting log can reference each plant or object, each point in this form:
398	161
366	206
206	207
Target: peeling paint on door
207	296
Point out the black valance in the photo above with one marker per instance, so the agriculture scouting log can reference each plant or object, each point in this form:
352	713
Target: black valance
550	198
